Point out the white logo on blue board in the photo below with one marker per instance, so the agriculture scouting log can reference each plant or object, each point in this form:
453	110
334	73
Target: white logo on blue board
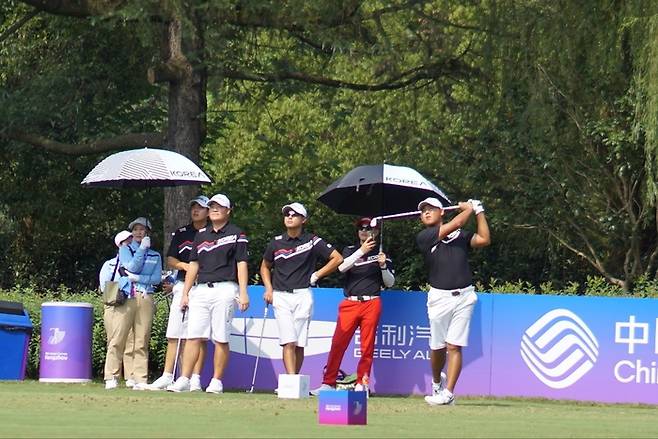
56	336
559	348
245	337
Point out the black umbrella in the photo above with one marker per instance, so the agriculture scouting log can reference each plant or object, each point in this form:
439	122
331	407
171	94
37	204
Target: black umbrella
379	190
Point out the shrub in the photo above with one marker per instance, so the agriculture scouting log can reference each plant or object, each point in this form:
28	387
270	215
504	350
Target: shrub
33	298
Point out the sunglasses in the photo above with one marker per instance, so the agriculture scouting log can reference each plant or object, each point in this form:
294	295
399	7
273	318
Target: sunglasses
292	214
365	228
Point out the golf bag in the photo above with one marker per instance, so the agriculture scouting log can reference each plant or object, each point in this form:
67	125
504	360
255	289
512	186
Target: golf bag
343	380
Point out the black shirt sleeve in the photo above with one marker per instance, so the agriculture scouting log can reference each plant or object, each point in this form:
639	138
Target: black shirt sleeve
242	249
467	235
268	255
427	238
322	248
173	246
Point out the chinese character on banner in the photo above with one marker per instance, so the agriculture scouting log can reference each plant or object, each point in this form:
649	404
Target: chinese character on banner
388	335
631	338
423	332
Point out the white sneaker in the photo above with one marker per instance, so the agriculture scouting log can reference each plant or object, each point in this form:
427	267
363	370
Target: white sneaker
437	387
316	392
276	391
162	382
130	383
182	384
195	383
141	386
111	384
445	397
362	388
215	386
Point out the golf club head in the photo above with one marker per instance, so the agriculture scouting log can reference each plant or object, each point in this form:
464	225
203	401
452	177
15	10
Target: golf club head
373	222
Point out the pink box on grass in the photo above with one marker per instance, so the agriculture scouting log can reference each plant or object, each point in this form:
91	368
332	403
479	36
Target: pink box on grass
342	407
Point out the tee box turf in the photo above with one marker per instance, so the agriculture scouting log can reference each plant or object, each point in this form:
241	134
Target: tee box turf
342	407
293	386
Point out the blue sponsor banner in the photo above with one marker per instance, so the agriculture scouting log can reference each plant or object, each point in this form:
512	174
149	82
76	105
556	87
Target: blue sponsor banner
564	347
582	348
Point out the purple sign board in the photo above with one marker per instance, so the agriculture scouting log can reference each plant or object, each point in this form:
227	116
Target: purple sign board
581	348
561	347
66	331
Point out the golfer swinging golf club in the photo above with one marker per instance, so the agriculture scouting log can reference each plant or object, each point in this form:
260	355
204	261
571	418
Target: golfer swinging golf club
218	262
452	297
293	256
367	271
178	258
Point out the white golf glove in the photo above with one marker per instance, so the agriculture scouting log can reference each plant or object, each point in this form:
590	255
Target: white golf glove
477	206
146	243
314	279
132	277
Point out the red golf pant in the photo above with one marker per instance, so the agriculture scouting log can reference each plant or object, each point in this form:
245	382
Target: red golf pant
351	315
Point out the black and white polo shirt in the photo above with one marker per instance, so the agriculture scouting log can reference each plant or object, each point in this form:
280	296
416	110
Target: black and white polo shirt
365	276
294	259
181	246
447	260
218	253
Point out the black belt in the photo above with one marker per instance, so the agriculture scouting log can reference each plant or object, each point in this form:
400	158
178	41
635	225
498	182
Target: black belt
212	284
291	290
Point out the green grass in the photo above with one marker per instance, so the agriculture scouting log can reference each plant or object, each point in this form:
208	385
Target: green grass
60	410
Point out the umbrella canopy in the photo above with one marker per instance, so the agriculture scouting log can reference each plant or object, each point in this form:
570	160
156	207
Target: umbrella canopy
377	190
140	168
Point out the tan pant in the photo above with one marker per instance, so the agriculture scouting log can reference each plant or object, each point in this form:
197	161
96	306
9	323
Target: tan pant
136	315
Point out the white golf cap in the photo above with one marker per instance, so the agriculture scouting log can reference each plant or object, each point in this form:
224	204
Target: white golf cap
220	199
434	202
141	220
295	207
122	236
201	200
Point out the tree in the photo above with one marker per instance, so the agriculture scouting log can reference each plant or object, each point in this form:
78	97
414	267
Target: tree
291	30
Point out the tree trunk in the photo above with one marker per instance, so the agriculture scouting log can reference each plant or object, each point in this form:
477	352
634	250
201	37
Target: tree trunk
187	111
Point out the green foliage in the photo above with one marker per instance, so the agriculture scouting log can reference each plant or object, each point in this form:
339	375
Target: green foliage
544	110
32	297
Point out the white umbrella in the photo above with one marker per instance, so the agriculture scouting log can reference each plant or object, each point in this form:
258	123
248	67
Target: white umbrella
139	168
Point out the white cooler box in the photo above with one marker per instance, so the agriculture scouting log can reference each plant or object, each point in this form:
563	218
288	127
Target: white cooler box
293	386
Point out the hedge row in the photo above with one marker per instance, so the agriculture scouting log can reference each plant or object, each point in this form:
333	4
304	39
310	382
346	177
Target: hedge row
33	298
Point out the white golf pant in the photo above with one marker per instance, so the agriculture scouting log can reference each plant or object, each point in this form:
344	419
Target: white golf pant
450	316
293	313
211	311
176	327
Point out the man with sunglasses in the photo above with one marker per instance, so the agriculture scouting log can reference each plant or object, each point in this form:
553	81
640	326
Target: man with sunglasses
218	264
451	298
293	257
367	271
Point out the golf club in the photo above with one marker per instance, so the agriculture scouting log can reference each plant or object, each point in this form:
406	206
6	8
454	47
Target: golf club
178	345
260	342
373	222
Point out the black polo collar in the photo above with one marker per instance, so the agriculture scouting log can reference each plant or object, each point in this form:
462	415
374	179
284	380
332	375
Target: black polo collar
296	238
220	231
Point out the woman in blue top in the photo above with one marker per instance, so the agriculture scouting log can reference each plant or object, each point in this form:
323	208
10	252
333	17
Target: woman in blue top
143	267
